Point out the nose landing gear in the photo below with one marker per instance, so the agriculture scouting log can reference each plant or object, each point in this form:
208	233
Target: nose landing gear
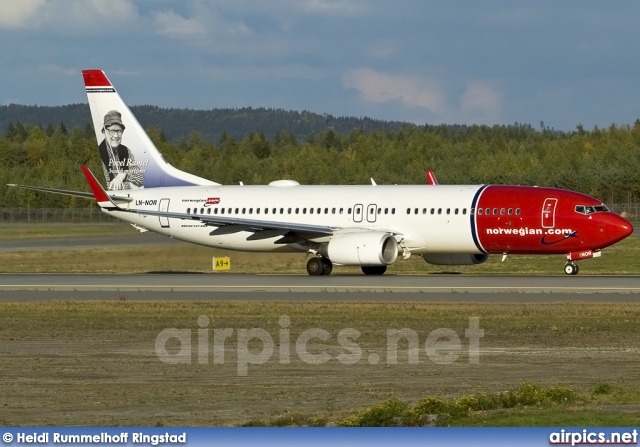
571	268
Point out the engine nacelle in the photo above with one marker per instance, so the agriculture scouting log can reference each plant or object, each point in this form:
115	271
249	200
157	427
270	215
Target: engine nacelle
455	258
364	248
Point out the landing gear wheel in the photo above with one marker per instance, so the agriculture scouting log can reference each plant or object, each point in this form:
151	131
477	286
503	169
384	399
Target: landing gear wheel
374	269
328	266
315	266
571	268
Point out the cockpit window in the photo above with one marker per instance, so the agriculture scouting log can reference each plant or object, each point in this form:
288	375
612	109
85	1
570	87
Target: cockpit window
584	209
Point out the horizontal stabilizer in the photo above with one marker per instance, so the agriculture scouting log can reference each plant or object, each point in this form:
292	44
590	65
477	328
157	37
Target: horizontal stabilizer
66	192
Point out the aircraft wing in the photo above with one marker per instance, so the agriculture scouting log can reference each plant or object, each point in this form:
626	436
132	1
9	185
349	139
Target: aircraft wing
243	224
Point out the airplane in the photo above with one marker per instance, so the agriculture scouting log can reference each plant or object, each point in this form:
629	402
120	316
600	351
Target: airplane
368	226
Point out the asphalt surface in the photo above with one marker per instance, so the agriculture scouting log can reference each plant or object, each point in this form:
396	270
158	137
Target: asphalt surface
229	286
74	243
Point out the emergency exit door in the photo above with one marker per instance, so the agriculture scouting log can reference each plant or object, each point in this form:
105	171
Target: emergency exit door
164	207
549	213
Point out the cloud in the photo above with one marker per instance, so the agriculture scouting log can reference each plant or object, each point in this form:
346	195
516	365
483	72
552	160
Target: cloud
412	91
482	102
114	8
175	26
19	14
69	16
334	7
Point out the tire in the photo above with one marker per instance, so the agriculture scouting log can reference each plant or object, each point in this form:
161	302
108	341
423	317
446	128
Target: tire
571	269
328	266
374	269
315	267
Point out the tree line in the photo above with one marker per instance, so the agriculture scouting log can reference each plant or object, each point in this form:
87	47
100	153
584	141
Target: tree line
604	163
177	124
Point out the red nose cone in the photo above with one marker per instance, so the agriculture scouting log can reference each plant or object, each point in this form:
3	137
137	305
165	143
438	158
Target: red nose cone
615	228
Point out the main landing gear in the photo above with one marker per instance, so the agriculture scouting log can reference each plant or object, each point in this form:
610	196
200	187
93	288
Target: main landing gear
317	266
571	268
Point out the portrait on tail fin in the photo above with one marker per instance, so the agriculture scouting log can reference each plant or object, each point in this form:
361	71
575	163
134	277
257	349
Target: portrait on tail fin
120	168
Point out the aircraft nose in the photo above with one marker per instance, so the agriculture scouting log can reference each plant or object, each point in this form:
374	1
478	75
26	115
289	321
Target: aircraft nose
614	228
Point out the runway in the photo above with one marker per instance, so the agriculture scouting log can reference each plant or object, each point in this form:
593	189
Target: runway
229	286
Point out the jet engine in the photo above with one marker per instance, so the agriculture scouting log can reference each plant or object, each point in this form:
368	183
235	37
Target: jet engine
363	248
455	258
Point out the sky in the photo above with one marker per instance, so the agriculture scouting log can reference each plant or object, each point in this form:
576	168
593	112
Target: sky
561	63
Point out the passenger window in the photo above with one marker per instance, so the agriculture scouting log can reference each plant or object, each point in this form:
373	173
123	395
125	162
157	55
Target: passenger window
502	211
310	210
448	211
333	210
433	210
510	211
439	210
201	210
517	211
281	210
424	211
188	210
495	211
408	210
208	210
479	211
341	210
250	210
326	210
304	211
464	211
297	210
415	211
288	210
221	210
244	211
237	210
393	210
386	210
348	211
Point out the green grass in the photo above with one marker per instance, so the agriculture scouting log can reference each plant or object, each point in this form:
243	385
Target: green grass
620	259
527	404
93	362
29	231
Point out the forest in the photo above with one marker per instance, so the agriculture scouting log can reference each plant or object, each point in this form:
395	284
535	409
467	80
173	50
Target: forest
601	162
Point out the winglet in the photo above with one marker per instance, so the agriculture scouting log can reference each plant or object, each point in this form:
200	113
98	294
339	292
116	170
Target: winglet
431	177
99	193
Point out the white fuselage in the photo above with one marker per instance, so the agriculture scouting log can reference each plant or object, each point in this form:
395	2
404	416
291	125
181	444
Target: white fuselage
438	221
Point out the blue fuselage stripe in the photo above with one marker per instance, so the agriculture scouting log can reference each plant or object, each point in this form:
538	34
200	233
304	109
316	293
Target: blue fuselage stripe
474	230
